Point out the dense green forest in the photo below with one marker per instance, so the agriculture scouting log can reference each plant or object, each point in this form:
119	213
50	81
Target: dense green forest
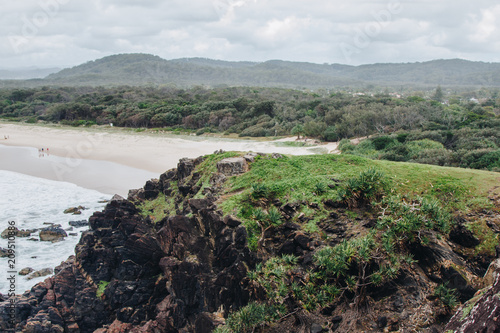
146	69
457	130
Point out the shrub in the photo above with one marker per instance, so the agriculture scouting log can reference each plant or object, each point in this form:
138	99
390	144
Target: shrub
399	153
383	142
320	188
446	295
260	191
249	317
441	157
274	216
362	190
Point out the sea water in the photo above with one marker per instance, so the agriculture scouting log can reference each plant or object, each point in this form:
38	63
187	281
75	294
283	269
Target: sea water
34	203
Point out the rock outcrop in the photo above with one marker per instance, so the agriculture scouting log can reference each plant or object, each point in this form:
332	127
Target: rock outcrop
136	272
481	313
132	275
52	234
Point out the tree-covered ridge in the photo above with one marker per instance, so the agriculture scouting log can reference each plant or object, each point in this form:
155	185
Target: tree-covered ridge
145	69
459	128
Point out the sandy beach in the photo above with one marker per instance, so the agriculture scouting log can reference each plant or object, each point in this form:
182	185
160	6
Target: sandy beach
114	160
151	152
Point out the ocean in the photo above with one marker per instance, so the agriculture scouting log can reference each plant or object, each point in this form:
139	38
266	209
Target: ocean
31	202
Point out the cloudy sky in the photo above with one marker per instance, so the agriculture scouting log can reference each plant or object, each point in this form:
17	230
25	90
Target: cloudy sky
64	33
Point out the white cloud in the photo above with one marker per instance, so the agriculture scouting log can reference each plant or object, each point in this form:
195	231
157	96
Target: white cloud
68	32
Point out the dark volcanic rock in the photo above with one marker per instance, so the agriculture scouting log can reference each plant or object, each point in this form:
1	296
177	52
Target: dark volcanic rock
480	314
26	271
52	234
40	273
16	232
79	224
463	236
151	189
4	252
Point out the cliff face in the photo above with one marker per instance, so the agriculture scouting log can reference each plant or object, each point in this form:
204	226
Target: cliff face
187	269
130	275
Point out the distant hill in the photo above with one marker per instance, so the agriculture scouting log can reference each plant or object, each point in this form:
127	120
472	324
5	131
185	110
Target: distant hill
26	73
141	69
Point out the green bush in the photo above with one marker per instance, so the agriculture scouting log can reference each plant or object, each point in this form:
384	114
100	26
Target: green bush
250	317
446	295
274	216
383	142
260	191
362	190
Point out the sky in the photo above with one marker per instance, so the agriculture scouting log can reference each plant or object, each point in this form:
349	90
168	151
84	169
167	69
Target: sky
66	33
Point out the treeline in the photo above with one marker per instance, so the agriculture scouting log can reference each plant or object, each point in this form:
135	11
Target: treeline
461	124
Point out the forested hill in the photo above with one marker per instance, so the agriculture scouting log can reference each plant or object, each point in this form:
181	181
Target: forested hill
140	69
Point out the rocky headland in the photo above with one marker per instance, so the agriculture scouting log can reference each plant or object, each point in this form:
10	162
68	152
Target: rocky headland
196	251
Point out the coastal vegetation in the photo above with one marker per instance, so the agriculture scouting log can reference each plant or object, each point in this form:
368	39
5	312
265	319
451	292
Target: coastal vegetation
460	130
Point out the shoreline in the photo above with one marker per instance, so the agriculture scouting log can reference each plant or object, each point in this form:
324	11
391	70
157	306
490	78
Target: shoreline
147	151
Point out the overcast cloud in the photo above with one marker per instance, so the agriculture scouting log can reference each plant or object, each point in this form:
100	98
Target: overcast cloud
63	33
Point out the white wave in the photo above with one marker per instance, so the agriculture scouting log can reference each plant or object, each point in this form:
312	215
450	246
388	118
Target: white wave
31	203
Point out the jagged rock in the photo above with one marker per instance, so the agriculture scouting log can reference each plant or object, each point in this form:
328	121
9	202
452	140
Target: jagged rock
4	252
40	273
74	210
185	167
480	314
165	179
79	224
231	221
329	203
52	234
232	166
250	157
276	155
26	271
217	179
219	152
136	194
151	189
199	204
117	198
207	322
17	232
463	236
492	273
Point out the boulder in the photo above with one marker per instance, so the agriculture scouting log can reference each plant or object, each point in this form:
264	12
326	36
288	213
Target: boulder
480	314
151	189
16	232
40	273
72	210
4	253
276	155
232	166
52	234
231	221
79	224
136	194
26	271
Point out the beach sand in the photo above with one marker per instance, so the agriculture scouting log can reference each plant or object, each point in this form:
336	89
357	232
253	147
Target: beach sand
155	153
130	157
